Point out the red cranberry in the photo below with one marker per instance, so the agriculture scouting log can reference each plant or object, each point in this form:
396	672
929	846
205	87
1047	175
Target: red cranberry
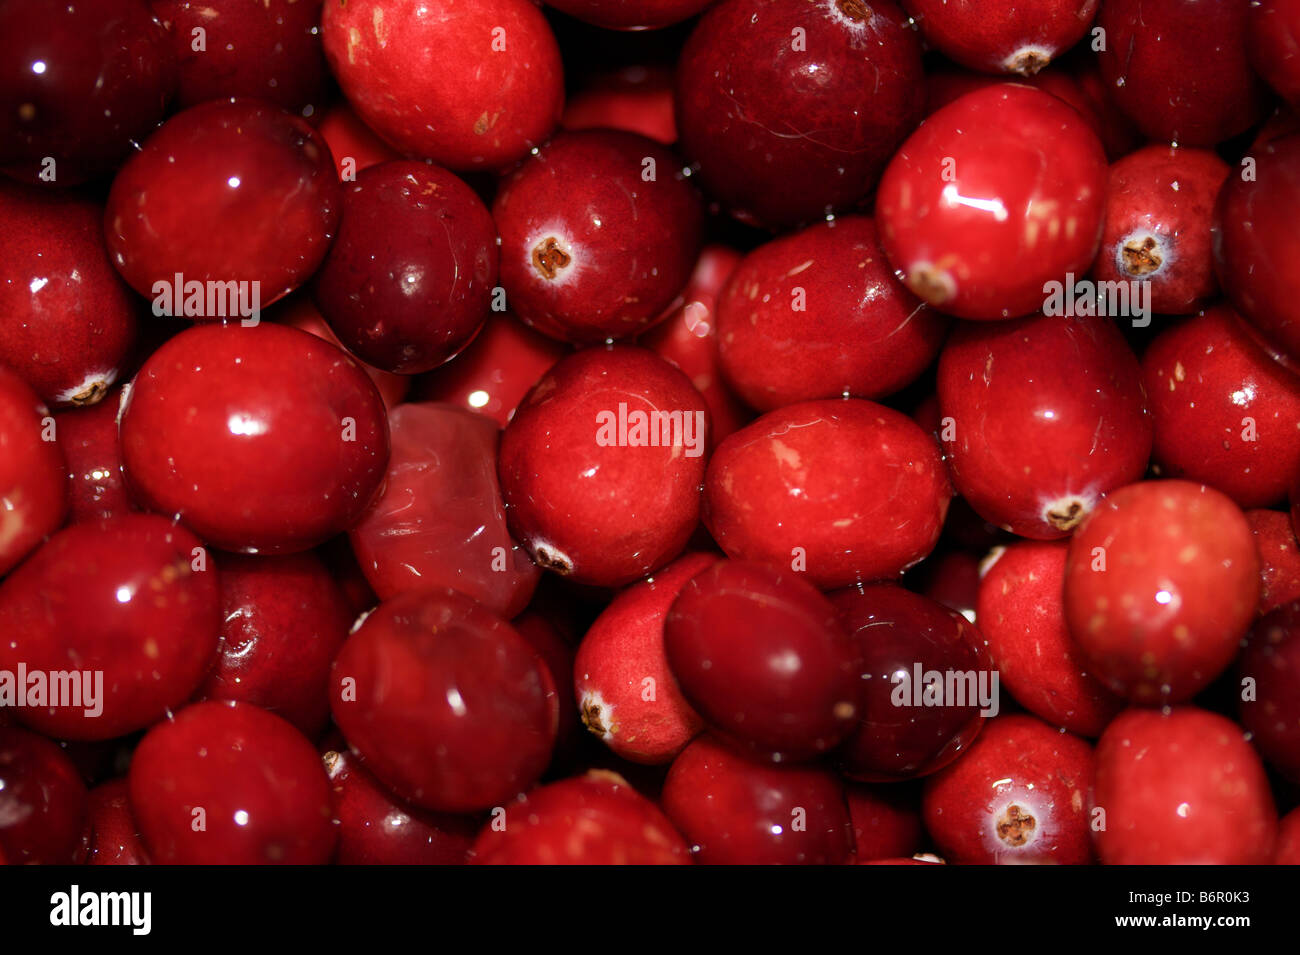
1022	794
1159	213
997	194
353	144
1181	787
231	784
554	648
130	605
1271	712
599	232
114	836
445	702
471	83
406	285
1279	558
262	439
638	99
1161	583
42	802
1117	132
33	482
79	82
737	812
945	83
630	14
885	820
996	37
847	490
1178	68
601	465
440	520
626	693
790	111
1288	839
228	191
1273	42
952	579
89	439
908	726
596	819
1042	416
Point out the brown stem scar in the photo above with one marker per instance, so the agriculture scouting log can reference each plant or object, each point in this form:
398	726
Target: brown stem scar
549	258
1141	257
1016	826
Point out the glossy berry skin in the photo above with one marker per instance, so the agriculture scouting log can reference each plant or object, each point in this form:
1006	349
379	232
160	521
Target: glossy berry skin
106	74
1159	216
860	488
262	439
469	84
1182	788
42	802
259	782
1178	68
820	314
734	811
1042	416
230	190
1271	658
1161	582
1273	42
123	596
33	488
89	439
445	702
784	131
760	655
114	835
69	322
896	630
584	505
623	649
599	233
1021	614
553	645
407	282
1279	558
1226	414
630	14
997	194
886	821
996	37
440	520
1022	794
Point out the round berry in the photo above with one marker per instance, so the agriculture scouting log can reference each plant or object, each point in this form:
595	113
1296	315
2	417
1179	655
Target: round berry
33	475
43	816
996	37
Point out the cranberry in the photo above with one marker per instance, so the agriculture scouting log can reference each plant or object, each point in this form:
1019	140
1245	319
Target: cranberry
353	144
115	837
1279	558
227	783
79	82
42	802
1273	42
89	439
790	111
848	490
406	284
1042	416
626	693
444	701
886	823
997	37
630	14
1181	787
33	482
553	646
737	812
262	439
946	83
1288	839
638	99
131	599
1117	132
952	579
69	321
1159	213
601	465
1271	711
997	194
440	520
1021	613
470	83
228	191
1161	582
904	639
1178	68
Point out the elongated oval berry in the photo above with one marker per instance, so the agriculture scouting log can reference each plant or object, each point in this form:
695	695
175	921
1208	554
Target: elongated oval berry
1271	659
998	37
33	482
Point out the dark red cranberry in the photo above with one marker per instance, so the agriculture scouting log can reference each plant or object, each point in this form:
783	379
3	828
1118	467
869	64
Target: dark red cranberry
996	195
734	811
1270	706
33	475
440	520
638	99
554	648
79	82
43	815
445	702
845	490
228	191
885	819
353	144
337	555
230	784
952	579
89	439
1273	42
601	465
630	14
1161	582
909	724
599	233
1159	214
998	37
114	835
406	284
945	83
1117	132
129	605
476	86
1288	839
791	111
595	819
262	439
1279	558
1178	68
1181	787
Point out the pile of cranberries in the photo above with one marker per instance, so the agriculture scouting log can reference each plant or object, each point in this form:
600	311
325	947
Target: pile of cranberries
649	431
